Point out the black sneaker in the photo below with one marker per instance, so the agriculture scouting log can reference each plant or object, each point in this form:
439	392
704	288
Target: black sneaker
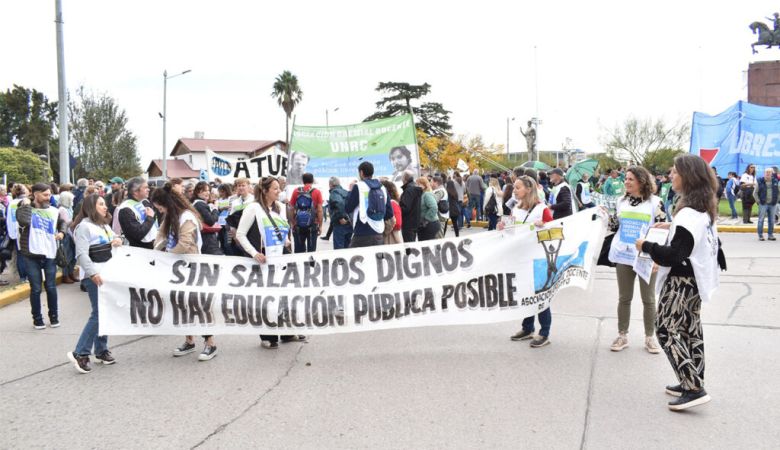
293	338
39	325
54	323
674	391
207	353
105	358
186	347
81	362
689	399
270	345
540	341
772	238
522	335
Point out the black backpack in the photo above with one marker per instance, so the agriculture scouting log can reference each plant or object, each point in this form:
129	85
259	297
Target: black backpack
444	206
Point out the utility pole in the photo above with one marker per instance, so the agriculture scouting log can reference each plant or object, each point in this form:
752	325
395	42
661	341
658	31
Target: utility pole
63	98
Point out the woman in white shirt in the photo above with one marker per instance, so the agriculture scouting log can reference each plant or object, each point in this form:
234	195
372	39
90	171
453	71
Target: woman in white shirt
747	183
263	232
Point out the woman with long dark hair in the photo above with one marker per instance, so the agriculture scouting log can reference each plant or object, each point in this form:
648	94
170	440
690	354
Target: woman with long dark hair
455	205
264	232
688	274
94	241
180	233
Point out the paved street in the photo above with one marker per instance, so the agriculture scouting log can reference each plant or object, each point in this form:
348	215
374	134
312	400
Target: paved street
438	387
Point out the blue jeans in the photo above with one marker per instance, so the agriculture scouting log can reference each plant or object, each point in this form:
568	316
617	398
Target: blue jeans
732	199
545	320
492	221
34	266
475	203
305	239
766	210
89	335
465	213
342	235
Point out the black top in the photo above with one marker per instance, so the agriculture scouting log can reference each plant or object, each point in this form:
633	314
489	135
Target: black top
410	203
208	215
562	207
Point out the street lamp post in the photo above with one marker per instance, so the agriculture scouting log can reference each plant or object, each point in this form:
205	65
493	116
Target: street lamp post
326	115
507	133
165	118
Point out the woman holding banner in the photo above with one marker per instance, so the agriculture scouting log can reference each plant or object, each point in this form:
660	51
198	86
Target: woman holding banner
180	233
529	210
637	211
264	233
94	241
688	274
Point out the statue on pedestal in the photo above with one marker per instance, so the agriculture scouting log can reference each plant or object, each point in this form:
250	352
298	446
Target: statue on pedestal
530	138
766	36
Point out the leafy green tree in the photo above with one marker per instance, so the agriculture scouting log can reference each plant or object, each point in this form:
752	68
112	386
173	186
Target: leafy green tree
433	119
288	94
99	138
635	139
661	160
27	119
21	165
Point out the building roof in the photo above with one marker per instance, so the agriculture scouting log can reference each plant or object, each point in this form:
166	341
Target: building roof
175	167
186	145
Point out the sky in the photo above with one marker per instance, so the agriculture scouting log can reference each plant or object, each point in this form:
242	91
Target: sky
581	67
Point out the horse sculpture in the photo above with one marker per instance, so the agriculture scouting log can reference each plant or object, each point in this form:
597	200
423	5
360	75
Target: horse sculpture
765	36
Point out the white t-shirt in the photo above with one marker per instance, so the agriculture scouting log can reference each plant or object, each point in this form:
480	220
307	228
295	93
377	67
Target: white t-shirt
747	178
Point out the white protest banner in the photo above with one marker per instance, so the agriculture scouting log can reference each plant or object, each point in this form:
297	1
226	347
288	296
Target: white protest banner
484	278
272	162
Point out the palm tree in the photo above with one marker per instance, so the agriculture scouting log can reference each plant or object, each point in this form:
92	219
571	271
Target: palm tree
288	94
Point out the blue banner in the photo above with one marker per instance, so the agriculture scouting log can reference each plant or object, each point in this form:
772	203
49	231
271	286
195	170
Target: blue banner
739	136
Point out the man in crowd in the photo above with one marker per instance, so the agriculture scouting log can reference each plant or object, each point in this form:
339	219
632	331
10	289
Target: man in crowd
305	215
410	203
766	196
369	206
337	203
475	187
136	216
78	194
40	227
561	197
614	185
117	184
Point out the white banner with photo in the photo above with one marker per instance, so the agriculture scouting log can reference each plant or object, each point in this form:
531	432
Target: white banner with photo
272	162
488	277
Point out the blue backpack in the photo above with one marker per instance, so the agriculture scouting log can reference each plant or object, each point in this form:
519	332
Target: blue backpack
304	216
376	203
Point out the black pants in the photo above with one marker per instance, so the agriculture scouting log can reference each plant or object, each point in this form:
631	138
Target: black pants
747	208
429	231
454	221
409	235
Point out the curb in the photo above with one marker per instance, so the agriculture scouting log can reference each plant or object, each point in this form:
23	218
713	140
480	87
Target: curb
19	293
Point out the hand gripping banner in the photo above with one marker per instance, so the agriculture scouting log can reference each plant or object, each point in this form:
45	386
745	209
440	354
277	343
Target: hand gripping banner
484	278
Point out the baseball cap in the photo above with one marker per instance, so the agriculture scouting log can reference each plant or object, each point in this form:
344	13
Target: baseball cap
556	171
117	180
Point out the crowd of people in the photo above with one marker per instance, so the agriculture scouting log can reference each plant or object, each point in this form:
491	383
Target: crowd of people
66	226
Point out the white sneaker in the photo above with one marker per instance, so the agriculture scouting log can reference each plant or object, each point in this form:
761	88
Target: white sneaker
651	345
619	343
